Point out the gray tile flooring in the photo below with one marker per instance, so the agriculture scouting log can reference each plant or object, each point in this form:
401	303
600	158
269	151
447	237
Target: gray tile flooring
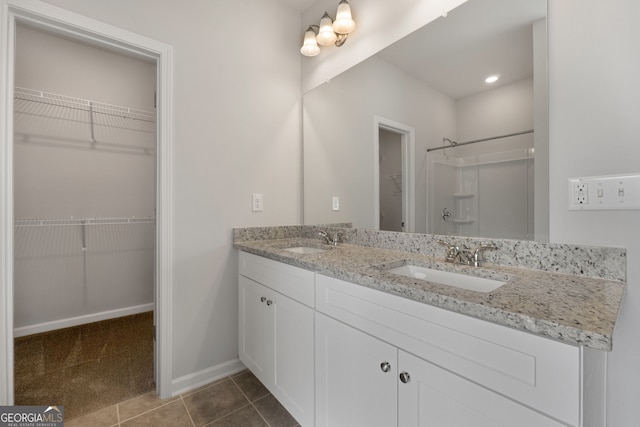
236	401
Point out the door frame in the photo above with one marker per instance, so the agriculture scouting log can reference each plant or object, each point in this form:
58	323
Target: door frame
407	139
60	21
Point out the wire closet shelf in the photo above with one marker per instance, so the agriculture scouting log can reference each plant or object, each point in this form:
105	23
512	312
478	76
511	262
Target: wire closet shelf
40	222
57	100
60	120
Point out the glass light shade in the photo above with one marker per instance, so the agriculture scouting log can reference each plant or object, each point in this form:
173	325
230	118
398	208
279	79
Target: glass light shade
326	36
343	24
310	46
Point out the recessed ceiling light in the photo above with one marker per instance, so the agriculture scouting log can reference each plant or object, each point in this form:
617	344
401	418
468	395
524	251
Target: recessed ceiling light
491	79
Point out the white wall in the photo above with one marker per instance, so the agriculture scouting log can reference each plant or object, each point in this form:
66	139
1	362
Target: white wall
594	130
236	132
500	111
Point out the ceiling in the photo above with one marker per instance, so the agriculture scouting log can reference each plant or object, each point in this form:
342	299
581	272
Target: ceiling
481	37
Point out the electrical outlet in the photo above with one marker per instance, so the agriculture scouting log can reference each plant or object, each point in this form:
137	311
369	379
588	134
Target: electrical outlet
607	192
581	194
257	203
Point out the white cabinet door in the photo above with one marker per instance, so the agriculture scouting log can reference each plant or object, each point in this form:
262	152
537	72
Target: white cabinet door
293	357
276	344
435	397
255	328
352	389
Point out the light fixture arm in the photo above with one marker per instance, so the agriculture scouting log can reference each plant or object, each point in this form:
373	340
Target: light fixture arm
342	38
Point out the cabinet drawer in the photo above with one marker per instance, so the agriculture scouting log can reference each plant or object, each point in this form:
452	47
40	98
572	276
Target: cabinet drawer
538	372
291	281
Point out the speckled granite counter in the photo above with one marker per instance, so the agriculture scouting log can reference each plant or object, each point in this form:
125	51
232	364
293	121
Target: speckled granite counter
573	308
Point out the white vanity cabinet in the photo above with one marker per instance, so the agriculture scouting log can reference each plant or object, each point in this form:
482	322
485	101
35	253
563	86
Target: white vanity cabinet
337	354
275	303
444	368
362	381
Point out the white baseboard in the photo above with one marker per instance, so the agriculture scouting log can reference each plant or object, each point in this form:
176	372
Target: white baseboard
192	381
81	320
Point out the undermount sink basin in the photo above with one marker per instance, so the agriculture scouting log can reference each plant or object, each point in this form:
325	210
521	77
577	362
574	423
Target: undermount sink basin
463	281
305	250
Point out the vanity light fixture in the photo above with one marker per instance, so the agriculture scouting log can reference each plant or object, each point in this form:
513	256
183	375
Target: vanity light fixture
329	31
492	79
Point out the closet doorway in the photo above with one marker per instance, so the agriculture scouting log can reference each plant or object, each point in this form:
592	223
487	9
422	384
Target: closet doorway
84	223
394	180
82	28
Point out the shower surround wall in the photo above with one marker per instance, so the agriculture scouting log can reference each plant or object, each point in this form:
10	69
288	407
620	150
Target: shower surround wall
488	187
81	270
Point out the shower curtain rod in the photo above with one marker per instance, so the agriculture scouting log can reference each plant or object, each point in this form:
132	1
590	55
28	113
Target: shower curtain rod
458	144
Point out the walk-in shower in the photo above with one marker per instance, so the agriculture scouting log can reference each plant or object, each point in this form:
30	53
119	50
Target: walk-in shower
484	194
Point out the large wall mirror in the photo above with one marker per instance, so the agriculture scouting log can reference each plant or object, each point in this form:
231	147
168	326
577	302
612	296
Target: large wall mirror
385	142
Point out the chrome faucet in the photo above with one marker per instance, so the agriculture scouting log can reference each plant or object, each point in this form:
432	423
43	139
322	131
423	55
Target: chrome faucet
465	256
479	249
337	238
453	252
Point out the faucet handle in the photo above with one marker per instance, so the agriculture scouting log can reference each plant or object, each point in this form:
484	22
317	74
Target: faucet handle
324	236
337	238
479	249
452	251
466	256
444	242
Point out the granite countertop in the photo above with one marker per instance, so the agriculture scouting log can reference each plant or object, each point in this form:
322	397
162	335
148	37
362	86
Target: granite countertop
574	309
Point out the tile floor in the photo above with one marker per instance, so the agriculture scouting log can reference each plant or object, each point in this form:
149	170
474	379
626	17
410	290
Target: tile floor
239	400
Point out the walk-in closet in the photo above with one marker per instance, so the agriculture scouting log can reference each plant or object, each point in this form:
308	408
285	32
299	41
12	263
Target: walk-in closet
84	223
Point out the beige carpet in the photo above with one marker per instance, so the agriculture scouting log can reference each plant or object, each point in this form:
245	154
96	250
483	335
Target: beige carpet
87	367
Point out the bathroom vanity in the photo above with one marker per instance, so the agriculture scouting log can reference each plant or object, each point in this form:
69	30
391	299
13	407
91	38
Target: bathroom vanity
341	340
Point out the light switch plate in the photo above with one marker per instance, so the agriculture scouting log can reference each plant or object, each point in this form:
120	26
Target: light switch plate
610	192
335	203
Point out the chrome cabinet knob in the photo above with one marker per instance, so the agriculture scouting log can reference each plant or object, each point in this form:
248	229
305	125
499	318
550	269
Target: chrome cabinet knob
269	302
263	299
405	377
385	366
